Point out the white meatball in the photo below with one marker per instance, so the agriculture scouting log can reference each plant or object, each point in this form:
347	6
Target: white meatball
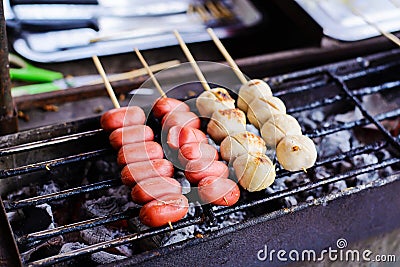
261	109
296	152
226	122
242	143
255	172
279	126
251	90
216	99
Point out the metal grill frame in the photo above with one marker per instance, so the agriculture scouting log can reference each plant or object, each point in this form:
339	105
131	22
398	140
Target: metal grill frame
215	240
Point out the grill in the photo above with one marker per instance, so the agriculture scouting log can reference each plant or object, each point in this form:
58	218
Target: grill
301	210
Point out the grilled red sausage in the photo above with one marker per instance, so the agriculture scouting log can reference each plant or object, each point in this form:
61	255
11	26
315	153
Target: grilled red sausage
197	151
119	117
139	152
178	136
138	171
130	134
165	105
153	188
218	191
198	169
180	118
166	209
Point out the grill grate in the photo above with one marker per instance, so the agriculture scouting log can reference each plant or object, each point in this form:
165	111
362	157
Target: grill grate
310	86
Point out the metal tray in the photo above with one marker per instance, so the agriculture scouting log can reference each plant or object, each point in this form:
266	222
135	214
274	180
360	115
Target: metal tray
338	20
143	32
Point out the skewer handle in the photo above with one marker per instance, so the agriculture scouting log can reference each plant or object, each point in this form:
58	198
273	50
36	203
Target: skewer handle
189	56
103	75
388	35
153	78
227	56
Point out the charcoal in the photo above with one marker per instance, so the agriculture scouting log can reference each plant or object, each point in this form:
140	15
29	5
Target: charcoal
34	219
186	186
317	115
104	233
335	144
98	257
106	205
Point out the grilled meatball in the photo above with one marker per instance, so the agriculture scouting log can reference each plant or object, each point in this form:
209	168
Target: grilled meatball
252	89
279	126
296	152
242	143
226	122
216	99
254	171
261	109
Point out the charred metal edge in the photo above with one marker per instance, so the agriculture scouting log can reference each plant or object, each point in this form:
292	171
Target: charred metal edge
48	142
9	252
114	243
53	130
33	201
48	164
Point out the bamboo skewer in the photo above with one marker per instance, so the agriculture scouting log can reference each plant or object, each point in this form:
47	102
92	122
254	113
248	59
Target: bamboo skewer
136	73
227	56
189	56
102	73
388	35
153	78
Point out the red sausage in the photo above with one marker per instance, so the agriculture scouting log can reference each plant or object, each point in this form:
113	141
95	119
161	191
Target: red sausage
166	209
180	118
130	134
197	151
165	105
178	136
119	117
198	169
153	188
218	191
139	152
138	171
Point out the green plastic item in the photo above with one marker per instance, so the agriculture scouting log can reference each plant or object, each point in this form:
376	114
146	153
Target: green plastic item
30	73
34	89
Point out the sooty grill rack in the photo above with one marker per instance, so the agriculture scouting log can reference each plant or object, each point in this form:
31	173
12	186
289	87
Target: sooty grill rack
301	210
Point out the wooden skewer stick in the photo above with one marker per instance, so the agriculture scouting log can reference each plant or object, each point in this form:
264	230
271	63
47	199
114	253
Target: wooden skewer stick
103	75
388	35
195	67
227	56
153	78
136	73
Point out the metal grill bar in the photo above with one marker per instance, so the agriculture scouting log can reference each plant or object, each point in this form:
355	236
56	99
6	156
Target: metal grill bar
46	165
33	201
365	72
48	142
316	104
32	237
115	242
352	124
337	98
299	89
371	118
376	89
